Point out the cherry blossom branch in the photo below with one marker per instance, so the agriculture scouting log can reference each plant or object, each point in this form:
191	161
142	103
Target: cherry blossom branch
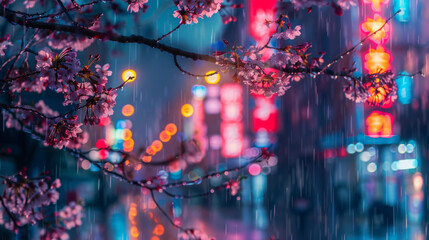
350	50
11	17
19	77
38	16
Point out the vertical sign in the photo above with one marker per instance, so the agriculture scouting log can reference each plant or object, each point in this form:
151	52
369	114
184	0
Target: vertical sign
231	128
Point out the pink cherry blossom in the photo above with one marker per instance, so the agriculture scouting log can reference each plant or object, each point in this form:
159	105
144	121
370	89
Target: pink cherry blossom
190	10
135	5
288	33
4	43
62	132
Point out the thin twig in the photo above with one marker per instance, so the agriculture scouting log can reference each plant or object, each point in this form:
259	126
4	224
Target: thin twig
189	73
170	32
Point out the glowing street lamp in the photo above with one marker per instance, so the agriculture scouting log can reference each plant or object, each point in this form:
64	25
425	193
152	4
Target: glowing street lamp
187	110
212	79
129	75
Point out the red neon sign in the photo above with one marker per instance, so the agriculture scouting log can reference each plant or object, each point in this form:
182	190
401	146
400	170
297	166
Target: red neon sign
259	12
265	114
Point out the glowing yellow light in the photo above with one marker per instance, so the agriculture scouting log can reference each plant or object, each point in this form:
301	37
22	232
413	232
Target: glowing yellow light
134	231
127	110
126	134
171	129
129	75
157	145
212	79
187	110
147	158
164	136
158	230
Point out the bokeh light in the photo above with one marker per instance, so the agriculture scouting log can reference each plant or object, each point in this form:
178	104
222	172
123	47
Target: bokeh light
212	79
157	145
147	158
129	75
164	136
150	151
101	143
255	169
134	232
158	230
171	129
126	134
127	110
85	164
187	110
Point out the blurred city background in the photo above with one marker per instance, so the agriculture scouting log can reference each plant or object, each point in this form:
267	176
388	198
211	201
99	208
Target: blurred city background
341	170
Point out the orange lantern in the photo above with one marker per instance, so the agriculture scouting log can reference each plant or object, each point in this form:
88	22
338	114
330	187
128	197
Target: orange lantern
377	60
372	25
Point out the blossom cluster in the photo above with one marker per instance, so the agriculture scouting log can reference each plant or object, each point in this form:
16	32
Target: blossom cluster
84	17
61	73
374	89
24	198
190	10
67	218
274	74
135	5
58	132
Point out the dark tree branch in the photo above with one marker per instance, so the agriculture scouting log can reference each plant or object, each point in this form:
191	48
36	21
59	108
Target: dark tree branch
12	17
